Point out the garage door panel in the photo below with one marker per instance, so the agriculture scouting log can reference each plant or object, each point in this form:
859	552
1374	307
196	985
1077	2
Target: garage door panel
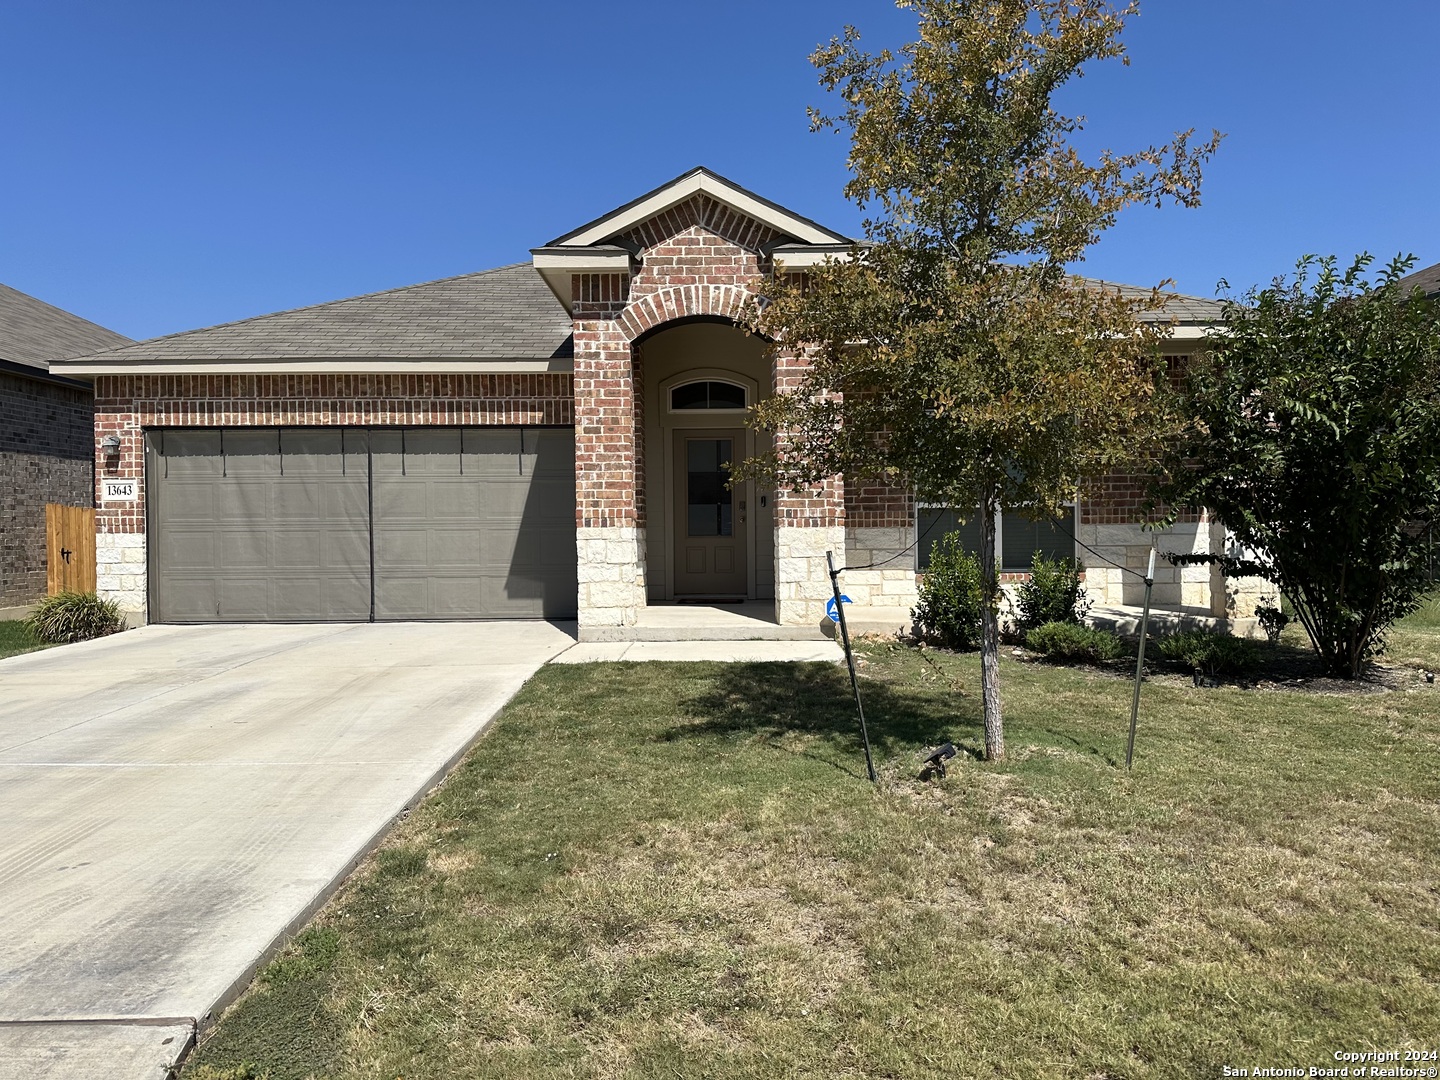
431	451
242	501
192	599
400	501
191	453
184	549
245	598
549	452
298	500
507	502
491	453
251	453
188	500
297	549
244	549
313	452
293	524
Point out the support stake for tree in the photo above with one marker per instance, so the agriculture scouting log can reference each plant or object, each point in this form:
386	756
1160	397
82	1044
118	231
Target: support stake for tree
1140	660
850	660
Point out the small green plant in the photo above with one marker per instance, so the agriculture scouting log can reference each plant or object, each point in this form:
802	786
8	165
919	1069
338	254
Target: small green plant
951	598
68	616
1210	652
1271	618
1054	593
1070	641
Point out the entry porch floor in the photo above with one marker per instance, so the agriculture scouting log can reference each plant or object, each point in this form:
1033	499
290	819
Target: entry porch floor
753	620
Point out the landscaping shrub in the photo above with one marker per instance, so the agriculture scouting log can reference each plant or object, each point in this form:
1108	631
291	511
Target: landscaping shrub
951	597
69	616
1272	619
1070	641
1054	594
1210	652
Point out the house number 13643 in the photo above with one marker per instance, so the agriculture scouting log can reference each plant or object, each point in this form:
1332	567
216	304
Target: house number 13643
118	491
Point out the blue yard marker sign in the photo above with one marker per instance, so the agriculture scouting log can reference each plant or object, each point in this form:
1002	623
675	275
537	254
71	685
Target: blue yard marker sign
833	611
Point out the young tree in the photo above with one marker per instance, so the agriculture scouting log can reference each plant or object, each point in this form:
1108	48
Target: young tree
1316	439
952	352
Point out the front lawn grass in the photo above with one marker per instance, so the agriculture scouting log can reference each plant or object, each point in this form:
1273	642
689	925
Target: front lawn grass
680	871
15	638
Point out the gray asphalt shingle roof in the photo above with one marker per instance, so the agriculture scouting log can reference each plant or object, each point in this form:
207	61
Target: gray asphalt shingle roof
1428	280
1188	309
33	332
503	314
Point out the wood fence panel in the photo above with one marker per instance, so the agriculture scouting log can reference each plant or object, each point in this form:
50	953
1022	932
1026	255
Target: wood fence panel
69	548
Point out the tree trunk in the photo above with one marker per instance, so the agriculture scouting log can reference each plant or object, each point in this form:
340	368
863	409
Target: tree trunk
990	635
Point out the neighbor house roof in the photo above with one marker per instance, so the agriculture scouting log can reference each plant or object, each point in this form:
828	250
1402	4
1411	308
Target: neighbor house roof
495	315
1427	280
32	332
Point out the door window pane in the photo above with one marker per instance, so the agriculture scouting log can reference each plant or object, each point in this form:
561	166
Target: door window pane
708	507
707	395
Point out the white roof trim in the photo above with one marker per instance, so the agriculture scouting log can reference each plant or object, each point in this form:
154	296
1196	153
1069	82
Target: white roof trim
584	260
701	183
422	366
802	260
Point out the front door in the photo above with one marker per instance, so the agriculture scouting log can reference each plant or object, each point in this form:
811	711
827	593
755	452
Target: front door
710	515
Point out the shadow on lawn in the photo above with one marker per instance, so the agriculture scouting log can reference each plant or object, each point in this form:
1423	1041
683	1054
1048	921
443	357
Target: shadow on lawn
773	700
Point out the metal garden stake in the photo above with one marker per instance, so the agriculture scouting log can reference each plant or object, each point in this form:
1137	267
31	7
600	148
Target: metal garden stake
1140	660
850	660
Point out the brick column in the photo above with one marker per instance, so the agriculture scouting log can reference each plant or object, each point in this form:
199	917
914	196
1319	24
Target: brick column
880	528
808	523
610	536
120	559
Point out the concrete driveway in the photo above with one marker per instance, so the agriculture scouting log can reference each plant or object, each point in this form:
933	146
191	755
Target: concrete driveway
174	799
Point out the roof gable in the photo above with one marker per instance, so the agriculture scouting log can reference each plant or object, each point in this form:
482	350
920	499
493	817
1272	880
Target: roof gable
698	187
33	332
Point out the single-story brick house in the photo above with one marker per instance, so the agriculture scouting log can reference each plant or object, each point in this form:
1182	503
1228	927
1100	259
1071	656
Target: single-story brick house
47	446
543	440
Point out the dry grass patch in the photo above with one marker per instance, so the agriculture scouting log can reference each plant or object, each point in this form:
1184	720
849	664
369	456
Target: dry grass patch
708	887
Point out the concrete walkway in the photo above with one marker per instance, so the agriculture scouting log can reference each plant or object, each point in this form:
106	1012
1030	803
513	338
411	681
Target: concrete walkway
174	799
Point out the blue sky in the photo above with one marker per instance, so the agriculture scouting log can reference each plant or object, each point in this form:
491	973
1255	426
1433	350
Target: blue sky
167	164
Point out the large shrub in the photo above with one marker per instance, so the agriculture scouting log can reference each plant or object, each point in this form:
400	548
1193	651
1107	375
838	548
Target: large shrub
1316	439
1070	641
1210	652
952	599
69	616
1053	594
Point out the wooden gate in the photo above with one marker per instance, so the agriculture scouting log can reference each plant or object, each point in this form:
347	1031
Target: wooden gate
69	548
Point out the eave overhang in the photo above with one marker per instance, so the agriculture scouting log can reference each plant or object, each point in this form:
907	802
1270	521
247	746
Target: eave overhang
93	367
559	265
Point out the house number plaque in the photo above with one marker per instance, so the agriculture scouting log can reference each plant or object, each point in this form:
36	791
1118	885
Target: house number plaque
117	491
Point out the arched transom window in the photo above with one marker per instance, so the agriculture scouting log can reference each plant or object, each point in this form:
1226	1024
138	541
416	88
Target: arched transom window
707	394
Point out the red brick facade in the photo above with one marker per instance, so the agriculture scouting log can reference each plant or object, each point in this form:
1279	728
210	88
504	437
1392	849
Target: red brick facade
698	259
126	405
45	457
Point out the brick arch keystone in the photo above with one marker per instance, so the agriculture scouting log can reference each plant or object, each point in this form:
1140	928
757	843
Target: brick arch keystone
681	302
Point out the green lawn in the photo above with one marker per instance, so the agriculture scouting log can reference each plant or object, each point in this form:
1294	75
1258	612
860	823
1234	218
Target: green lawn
15	639
680	871
1415	641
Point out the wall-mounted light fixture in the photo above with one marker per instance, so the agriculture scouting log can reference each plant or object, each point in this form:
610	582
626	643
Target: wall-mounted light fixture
111	445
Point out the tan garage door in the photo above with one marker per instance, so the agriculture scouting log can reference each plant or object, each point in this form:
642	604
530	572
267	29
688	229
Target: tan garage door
345	525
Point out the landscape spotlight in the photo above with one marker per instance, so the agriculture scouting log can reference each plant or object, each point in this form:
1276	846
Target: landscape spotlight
937	760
